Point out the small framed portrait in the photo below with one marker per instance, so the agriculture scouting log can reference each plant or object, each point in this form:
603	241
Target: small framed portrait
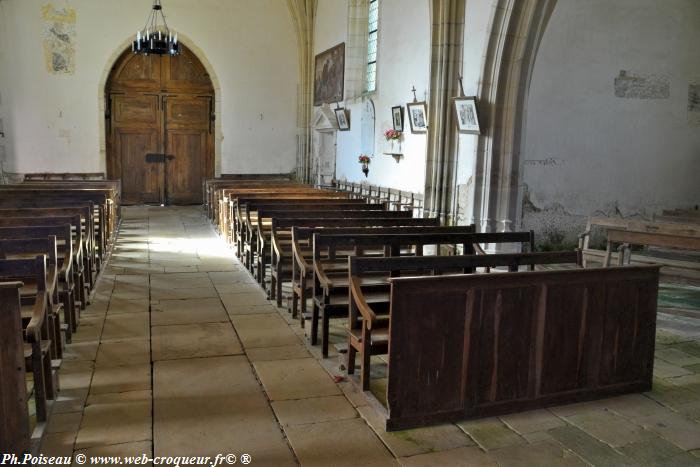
467	116
417	117
397	117
343	117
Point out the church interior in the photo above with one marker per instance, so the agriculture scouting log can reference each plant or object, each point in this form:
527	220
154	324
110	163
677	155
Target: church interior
350	232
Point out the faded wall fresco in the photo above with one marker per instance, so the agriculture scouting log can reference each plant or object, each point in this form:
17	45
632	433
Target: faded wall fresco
694	102
631	85
59	39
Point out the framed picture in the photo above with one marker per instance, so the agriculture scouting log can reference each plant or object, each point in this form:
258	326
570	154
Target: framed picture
417	117
397	117
343	118
467	117
329	75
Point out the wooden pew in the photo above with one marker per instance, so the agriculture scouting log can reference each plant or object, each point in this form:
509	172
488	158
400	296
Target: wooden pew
37	349
212	189
251	238
41	176
369	323
105	198
282	254
14	413
58	282
59	268
231	202
330	285
303	254
259	223
103	234
92	262
222	192
678	265
71	270
233	223
517	341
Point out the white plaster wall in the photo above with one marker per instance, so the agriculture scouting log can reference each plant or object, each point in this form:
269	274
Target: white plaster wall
250	46
403	62
608	154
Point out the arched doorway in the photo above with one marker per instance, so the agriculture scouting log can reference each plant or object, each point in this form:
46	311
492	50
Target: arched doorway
160	127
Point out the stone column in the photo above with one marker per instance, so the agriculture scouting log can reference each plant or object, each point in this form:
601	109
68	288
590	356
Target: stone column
447	35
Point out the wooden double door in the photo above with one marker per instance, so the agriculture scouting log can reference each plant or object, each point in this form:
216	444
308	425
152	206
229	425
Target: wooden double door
160	129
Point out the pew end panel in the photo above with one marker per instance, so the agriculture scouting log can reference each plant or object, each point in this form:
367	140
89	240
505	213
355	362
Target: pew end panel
469	346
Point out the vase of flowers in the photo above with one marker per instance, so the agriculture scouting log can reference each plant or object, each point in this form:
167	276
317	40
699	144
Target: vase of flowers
364	160
393	136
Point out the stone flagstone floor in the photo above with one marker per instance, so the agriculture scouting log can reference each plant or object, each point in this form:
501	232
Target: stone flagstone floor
180	353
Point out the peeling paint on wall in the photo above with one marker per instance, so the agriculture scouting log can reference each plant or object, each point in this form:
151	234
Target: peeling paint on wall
59	39
694	102
631	85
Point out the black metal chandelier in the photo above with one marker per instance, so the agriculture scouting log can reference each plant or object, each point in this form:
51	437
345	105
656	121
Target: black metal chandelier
156	38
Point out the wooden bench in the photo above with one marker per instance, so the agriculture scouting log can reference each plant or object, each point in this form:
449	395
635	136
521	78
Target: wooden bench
60	280
35	314
70	259
230	210
517	341
233	231
104	197
59	257
40	176
88	231
303	253
251	238
103	234
330	285
680	258
14	413
369	323
226	197
259	217
282	254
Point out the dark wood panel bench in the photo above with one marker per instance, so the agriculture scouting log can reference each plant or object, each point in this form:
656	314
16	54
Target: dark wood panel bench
282	255
35	315
14	412
330	284
368	323
517	341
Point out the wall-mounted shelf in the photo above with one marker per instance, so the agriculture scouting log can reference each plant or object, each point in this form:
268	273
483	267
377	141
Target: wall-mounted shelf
396	155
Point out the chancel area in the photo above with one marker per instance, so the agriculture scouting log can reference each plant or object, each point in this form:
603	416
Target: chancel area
350	232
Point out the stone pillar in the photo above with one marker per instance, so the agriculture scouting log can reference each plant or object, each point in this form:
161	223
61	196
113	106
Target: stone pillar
447	35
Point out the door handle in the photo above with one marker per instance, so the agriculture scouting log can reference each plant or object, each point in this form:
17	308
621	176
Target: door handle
155	158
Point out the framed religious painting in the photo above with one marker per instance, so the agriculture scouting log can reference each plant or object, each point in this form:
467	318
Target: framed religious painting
329	75
467	116
418	117
343	117
397	117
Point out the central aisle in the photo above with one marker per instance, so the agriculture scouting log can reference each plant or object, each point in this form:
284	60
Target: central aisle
180	353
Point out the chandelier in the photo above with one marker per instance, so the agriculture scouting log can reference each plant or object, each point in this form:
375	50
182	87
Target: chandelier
156	38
